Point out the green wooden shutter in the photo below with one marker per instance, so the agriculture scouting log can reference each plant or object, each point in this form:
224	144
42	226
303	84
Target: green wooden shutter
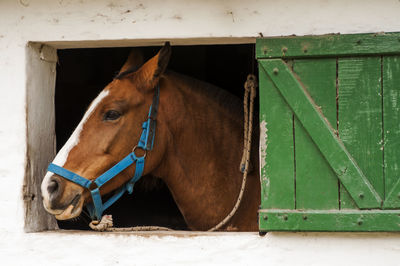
330	132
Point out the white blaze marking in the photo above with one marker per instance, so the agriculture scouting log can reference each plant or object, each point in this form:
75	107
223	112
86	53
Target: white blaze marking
73	140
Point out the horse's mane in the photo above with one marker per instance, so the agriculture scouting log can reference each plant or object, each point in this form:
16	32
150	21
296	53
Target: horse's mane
212	93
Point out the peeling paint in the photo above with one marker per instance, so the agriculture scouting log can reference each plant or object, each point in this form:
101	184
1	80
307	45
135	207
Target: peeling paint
393	98
395	167
178	17
263	144
24	3
231	13
111	5
265	182
140	6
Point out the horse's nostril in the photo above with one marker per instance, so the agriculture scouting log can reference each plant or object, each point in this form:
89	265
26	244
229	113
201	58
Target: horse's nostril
52	187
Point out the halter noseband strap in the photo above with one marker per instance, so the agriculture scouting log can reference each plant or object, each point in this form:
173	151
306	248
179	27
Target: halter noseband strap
146	143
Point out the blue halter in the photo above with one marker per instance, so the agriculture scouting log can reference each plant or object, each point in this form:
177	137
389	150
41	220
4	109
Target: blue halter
146	143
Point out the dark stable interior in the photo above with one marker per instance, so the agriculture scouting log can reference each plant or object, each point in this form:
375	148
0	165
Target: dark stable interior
83	73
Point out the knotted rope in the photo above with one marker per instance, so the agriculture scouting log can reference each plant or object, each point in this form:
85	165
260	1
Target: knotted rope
250	86
105	223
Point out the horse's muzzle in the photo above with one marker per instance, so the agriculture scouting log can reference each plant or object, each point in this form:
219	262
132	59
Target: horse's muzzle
57	201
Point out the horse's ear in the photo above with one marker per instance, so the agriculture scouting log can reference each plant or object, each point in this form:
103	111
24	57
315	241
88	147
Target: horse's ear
163	59
149	74
134	62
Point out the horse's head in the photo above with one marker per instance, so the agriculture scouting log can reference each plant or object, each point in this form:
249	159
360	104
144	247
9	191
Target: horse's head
109	130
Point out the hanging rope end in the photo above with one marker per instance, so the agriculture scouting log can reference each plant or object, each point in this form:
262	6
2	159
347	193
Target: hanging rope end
250	87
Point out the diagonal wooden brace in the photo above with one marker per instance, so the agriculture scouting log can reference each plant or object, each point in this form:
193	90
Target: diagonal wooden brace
322	133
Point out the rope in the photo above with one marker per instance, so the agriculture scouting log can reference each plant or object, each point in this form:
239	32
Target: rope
139	228
250	86
106	224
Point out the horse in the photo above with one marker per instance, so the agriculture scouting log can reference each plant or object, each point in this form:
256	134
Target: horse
198	145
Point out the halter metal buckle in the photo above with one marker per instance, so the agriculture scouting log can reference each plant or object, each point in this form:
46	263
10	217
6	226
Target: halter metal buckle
134	150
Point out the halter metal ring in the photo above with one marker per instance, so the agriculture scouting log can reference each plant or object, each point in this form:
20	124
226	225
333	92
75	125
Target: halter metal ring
134	149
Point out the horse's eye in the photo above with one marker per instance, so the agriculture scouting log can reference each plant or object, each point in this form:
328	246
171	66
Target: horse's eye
111	115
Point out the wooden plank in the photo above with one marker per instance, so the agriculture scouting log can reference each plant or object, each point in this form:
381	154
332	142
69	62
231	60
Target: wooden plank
328	45
276	147
360	118
345	221
391	116
322	134
316	183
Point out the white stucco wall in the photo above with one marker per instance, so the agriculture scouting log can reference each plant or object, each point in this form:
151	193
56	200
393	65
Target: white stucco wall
78	23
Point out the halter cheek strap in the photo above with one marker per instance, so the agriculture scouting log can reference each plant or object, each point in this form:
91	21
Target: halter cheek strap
146	142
